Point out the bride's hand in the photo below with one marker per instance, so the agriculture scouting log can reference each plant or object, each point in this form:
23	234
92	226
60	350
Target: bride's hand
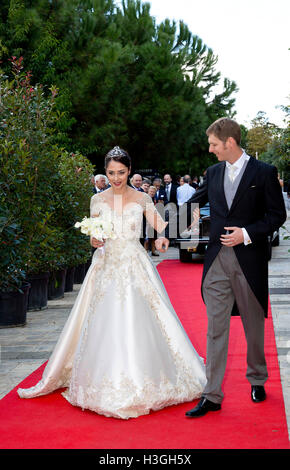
162	244
96	243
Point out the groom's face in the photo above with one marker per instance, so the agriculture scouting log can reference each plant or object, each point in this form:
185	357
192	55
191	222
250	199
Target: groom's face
221	149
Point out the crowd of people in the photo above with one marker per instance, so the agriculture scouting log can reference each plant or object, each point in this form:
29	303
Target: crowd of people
161	190
165	190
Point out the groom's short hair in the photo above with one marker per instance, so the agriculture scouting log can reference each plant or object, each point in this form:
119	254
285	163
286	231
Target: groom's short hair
224	128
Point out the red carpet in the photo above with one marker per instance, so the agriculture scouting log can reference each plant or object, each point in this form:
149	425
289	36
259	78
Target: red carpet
50	422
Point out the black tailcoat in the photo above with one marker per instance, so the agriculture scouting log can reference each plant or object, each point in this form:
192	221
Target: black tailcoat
258	206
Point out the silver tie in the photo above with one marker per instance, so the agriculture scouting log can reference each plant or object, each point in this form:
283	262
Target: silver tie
232	172
167	192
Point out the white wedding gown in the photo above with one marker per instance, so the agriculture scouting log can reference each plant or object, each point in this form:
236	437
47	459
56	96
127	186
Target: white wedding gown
123	350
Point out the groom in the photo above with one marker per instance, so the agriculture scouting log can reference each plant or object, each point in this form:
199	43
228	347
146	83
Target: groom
246	205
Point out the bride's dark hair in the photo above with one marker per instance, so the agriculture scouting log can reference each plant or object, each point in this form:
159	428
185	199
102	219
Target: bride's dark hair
118	155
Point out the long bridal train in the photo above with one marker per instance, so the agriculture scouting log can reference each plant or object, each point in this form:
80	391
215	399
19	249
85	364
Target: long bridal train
123	350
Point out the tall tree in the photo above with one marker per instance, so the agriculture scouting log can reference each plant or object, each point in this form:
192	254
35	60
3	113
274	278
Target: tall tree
122	79
260	135
278	149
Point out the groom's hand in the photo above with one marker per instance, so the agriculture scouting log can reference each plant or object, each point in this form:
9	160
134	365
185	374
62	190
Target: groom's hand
162	244
234	238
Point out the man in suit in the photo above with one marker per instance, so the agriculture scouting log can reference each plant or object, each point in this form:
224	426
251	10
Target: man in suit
246	205
160	195
100	184
136	182
171	196
184	192
170	189
194	183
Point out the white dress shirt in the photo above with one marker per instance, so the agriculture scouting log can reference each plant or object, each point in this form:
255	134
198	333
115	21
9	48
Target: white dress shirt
235	169
184	193
238	164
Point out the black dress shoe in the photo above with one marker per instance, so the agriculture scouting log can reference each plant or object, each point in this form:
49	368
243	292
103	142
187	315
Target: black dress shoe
202	408
258	393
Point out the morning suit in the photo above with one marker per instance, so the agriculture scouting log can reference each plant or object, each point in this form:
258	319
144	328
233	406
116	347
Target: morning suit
240	273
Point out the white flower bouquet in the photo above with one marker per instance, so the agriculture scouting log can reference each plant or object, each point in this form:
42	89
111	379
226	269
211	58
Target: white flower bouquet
100	227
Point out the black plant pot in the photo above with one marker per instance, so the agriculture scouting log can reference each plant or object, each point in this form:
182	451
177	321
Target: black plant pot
38	294
69	279
80	273
13	307
56	285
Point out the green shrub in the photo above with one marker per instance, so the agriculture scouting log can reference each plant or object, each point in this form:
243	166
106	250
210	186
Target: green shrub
41	193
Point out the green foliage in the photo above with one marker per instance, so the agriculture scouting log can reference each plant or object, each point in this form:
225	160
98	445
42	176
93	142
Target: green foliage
281	146
35	201
271	142
260	134
244	135
122	79
75	191
12	274
27	181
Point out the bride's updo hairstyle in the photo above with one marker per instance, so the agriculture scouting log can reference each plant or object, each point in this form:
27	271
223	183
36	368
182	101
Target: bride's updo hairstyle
118	155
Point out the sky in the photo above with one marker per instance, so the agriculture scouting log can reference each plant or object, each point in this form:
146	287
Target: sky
251	39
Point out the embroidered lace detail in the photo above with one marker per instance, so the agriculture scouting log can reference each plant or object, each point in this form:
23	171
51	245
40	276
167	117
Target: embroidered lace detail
123	270
123	263
126	400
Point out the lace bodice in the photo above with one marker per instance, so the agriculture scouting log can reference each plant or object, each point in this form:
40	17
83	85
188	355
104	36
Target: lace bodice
123	350
128	218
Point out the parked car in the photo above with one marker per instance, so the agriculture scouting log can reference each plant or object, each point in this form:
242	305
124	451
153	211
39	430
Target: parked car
195	241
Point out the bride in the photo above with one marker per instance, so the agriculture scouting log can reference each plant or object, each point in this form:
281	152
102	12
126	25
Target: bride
123	350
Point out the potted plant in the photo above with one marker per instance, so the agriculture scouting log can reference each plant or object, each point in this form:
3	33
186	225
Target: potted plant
23	112
45	267
83	259
75	171
13	288
30	176
46	188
